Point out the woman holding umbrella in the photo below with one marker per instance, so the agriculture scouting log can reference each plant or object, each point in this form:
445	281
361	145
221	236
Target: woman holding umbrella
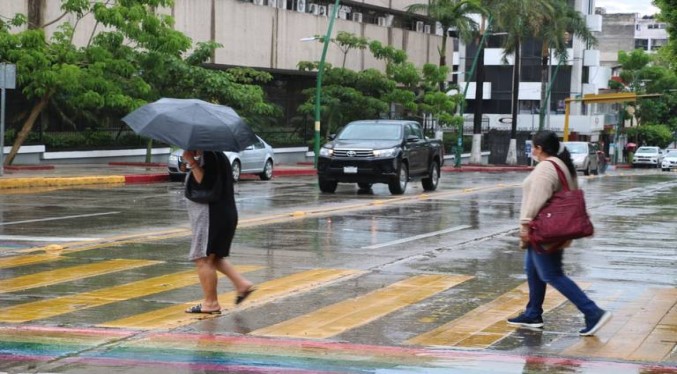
213	225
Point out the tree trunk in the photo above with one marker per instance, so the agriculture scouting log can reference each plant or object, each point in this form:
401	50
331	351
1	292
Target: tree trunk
443	61
26	129
476	151
35	14
511	158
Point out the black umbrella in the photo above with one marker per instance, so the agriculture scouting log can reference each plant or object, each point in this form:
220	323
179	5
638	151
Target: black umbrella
192	124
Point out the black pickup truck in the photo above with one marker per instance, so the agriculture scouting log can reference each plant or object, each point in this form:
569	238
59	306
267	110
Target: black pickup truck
380	151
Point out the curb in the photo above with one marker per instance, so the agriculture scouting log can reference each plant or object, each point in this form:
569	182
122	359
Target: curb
487	169
57	182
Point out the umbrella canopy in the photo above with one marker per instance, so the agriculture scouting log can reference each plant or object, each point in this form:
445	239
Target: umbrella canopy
631	145
192	124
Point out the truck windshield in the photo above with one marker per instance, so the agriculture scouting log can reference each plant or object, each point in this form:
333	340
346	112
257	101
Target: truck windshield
376	131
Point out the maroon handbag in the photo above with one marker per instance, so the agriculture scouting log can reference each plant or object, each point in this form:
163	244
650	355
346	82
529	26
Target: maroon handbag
564	217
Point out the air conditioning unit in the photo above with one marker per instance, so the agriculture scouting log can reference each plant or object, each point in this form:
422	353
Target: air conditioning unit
314	9
357	17
282	4
389	20
426	29
342	13
257	2
381	21
438	29
301	6
419	26
323	10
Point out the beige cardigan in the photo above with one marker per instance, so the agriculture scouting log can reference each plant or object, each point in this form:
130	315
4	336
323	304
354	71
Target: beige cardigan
540	185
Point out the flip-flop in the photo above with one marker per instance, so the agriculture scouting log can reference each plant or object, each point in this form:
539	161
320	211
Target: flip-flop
198	310
243	296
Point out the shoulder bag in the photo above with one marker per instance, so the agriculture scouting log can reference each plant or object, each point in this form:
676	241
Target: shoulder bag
564	217
205	194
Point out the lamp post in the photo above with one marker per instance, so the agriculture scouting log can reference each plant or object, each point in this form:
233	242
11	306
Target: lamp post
318	88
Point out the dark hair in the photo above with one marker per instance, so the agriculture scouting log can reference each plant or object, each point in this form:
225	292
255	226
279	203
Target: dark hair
549	142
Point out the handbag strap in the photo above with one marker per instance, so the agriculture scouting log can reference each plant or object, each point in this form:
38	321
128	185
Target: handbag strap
560	175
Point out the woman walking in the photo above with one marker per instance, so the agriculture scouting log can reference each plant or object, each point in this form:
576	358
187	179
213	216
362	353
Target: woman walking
213	225
544	268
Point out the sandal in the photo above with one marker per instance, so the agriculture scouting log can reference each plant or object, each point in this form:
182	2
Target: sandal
243	296
198	309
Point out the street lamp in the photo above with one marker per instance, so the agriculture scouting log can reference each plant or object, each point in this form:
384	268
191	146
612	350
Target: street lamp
318	88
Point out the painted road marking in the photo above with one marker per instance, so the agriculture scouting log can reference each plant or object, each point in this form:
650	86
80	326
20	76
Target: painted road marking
57	218
485	325
22	238
175	316
10	262
47	278
72	303
643	330
343	316
417	237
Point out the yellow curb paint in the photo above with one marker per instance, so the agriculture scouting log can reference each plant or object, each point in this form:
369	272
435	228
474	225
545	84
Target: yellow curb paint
175	316
343	316
59	181
643	330
73	303
485	325
298	213
47	278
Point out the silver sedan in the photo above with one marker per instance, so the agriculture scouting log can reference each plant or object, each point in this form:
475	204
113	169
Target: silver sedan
258	158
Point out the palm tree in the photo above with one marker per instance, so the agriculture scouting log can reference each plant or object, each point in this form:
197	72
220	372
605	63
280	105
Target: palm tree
564	23
520	19
451	14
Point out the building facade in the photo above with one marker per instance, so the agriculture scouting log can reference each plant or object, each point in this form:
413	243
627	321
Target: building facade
268	34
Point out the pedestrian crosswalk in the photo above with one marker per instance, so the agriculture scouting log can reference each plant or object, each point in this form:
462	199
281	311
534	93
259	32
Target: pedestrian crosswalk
642	329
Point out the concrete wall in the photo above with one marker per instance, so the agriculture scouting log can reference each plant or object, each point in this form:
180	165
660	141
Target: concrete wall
267	37
618	33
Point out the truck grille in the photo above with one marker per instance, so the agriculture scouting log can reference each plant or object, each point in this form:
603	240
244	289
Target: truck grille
353	153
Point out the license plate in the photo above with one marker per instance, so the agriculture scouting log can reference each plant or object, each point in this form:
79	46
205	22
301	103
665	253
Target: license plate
350	169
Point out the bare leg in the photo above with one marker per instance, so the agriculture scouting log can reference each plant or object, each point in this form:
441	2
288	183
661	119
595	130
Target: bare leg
240	283
206	272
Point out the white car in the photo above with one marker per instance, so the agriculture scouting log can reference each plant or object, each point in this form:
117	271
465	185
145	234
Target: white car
258	158
647	156
584	156
669	161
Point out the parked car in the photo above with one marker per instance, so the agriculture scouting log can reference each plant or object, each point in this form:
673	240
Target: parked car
380	151
647	156
670	160
258	158
584	156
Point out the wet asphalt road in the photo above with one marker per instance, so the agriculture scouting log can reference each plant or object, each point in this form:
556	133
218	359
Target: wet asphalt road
464	233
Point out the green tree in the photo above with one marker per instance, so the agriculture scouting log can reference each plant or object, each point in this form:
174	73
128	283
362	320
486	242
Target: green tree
668	15
563	23
451	14
136	58
520	19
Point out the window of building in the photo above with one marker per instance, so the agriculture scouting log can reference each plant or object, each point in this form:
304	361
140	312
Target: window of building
642	43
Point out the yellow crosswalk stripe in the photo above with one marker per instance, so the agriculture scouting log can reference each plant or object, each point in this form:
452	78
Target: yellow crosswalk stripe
485	325
14	261
644	330
72	303
175	316
338	318
47	278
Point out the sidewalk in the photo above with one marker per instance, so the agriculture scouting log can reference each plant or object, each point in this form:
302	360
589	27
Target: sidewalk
28	176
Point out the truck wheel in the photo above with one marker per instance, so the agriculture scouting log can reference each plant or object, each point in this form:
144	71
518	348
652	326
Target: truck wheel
398	185
430	183
587	170
236	170
327	186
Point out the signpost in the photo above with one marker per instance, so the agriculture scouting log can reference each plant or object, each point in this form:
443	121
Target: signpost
7	81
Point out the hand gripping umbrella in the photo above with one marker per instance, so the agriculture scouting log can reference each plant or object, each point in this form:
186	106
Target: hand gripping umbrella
192	124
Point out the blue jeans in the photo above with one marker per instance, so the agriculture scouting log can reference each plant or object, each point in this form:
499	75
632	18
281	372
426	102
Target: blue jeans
546	268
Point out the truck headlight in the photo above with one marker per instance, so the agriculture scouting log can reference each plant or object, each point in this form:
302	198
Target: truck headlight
173	157
384	153
326	152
